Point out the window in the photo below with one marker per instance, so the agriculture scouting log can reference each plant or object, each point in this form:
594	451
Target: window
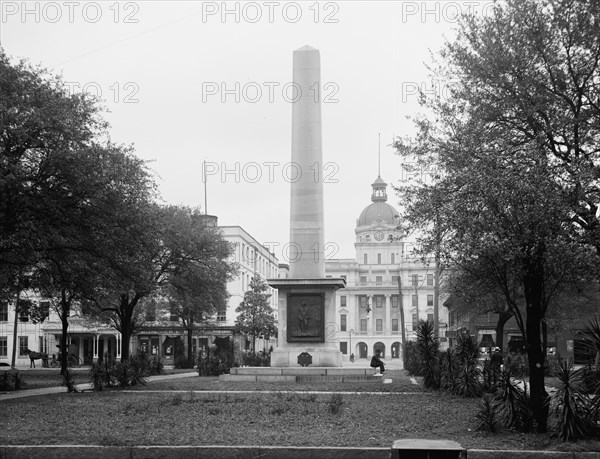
378	280
429	279
363	325
342	322
394	281
379	325
429	300
394	301
3	346
415	321
222	314
23	311
23	345
452	317
151	311
393	258
394	325
363	280
415	301
343	301
378	258
430	318
173	316
414	280
3	311
365	259
363	301
344	347
379	301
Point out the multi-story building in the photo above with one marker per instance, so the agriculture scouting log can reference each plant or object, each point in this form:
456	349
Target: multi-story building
369	315
161	334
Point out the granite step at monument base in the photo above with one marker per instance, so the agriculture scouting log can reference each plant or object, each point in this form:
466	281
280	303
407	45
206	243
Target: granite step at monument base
300	374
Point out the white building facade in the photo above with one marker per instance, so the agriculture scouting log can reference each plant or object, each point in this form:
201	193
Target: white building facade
368	309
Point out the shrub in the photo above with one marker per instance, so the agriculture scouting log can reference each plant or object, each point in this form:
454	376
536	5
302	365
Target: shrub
517	364
256	359
411	359
469	370
571	406
129	373
335	403
156	366
69	380
487	417
97	377
427	350
181	361
512	404
449	366
213	366
12	380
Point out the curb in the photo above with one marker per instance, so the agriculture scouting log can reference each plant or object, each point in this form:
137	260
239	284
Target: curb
264	452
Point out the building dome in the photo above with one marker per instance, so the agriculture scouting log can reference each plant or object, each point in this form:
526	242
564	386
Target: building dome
379	212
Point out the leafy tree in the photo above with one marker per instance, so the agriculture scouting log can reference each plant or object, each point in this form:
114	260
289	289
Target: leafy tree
516	144
255	314
197	289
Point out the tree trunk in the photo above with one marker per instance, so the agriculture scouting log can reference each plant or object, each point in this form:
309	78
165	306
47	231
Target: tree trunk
15	329
189	342
503	317
533	281
63	341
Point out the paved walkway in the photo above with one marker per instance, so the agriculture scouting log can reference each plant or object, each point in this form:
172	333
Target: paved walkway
80	387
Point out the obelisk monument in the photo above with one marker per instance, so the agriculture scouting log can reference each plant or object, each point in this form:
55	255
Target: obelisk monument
307	326
307	232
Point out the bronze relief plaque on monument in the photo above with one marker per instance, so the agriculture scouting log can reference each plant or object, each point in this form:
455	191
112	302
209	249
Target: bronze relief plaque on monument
305	317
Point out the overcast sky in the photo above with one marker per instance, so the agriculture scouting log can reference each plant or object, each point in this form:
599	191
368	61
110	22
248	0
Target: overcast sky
187	82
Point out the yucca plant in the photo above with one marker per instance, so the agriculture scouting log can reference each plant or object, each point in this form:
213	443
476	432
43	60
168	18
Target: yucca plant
573	408
69	380
97	377
428	349
469	370
487	416
591	340
448	364
512	404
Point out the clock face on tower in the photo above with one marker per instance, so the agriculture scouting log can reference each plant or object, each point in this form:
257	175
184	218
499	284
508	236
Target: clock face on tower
379	235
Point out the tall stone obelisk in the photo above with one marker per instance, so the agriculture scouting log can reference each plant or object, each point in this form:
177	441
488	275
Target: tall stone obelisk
307	232
307	324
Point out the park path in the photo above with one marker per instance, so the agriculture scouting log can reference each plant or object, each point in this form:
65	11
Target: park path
80	387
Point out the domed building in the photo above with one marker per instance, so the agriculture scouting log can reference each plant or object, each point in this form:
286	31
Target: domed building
369	308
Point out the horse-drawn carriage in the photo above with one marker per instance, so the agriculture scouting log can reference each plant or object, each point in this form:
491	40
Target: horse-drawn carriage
72	360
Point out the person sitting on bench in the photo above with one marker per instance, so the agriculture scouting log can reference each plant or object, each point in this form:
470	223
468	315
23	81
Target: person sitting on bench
376	362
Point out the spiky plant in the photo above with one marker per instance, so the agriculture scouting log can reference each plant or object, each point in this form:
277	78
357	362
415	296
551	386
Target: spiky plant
97	376
448	363
512	404
428	349
69	380
572	408
591	340
487	416
469	370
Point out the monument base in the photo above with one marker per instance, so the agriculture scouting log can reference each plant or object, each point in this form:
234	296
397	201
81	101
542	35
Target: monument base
288	357
314	340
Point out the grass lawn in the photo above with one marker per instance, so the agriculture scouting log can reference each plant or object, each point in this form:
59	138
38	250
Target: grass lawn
141	417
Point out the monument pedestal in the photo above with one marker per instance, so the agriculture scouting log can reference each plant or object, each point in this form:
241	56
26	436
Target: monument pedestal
307	329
